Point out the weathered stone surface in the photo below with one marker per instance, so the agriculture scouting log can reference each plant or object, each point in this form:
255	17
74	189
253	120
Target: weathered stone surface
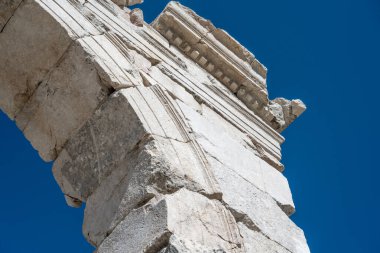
172	87
184	214
257	209
137	17
248	184
123	3
184	156
120	3
178	245
291	109
7	8
222	56
210	91
115	129
155	166
134	2
256	242
63	74
62	102
226	144
72	202
28	53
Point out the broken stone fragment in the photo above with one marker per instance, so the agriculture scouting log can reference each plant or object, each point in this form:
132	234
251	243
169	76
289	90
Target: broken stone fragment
292	109
134	2
127	3
185	214
278	114
137	17
73	202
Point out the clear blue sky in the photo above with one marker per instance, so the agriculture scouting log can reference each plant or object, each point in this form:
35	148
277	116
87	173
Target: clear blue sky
324	52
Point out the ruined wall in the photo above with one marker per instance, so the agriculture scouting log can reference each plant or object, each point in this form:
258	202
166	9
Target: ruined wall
164	131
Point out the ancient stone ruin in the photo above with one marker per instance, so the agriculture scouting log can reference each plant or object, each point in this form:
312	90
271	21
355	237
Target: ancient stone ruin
165	131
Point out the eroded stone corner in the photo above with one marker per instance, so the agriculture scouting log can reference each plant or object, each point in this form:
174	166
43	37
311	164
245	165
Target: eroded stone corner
168	135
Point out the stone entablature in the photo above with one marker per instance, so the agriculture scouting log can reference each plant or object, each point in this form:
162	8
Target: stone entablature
155	143
224	58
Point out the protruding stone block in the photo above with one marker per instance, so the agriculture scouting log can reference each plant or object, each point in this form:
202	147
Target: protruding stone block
219	141
184	214
167	134
62	103
155	166
258	210
24	65
137	17
133	2
116	129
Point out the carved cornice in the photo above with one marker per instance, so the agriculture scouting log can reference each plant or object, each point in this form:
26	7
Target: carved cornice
224	58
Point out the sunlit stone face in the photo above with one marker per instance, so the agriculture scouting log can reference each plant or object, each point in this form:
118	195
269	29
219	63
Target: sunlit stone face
165	131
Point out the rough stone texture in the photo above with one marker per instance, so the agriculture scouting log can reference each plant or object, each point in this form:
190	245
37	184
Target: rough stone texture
173	144
148	172
222	143
291	109
258	210
256	242
117	128
43	121
122	3
7	8
137	17
184	214
134	2
222	56
178	245
20	76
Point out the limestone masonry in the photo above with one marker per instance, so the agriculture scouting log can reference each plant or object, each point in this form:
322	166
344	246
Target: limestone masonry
165	131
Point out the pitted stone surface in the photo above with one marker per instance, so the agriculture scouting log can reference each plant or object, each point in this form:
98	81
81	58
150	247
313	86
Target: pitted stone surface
227	146
158	166
116	128
7	9
256	242
173	144
184	214
223	57
137	17
178	245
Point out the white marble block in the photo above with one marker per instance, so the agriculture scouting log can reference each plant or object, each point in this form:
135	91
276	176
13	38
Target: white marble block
165	131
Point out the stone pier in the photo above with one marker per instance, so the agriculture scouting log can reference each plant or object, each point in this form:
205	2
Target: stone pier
164	131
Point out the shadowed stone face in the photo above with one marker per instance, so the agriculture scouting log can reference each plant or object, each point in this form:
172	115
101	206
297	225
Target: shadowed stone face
173	144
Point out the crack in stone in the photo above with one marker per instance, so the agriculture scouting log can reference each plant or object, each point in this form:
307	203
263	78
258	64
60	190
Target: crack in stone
9	19
250	224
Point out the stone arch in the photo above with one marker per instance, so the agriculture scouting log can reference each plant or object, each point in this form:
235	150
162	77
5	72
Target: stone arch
164	130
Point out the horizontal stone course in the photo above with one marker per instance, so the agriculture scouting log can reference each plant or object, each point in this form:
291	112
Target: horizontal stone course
165	131
184	214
